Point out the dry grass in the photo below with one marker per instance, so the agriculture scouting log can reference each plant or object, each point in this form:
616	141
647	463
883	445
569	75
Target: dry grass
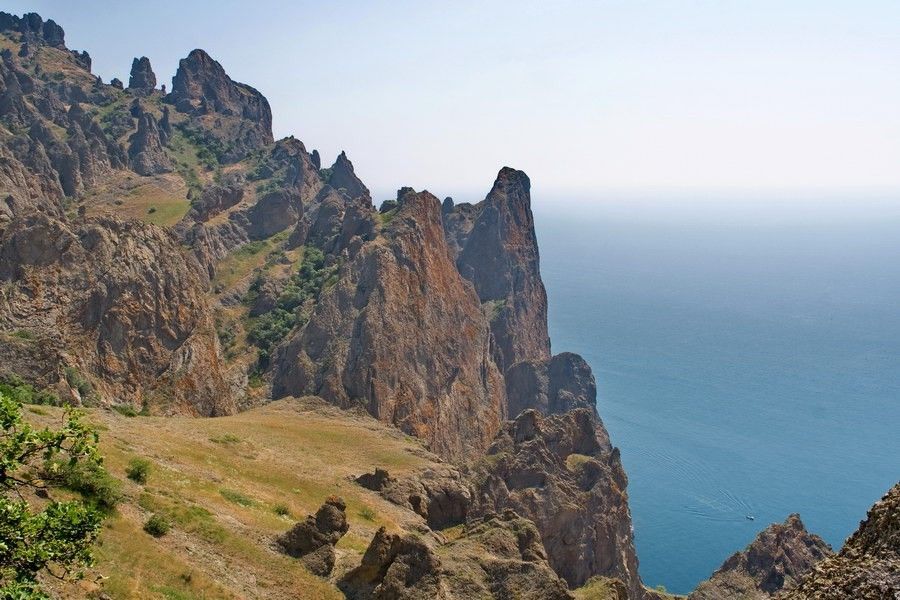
219	481
130	196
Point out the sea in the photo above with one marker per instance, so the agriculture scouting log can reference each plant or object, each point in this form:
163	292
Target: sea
747	357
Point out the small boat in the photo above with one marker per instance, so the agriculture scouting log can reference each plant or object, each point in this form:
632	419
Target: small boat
751	518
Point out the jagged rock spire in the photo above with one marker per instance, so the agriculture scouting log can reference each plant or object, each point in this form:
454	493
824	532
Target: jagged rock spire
344	178
142	79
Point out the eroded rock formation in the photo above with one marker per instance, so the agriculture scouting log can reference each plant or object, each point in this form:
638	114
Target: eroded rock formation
142	79
234	113
779	557
561	472
402	334
124	306
498	557
313	539
867	567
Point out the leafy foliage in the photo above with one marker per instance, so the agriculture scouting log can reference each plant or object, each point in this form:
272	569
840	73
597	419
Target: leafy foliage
52	537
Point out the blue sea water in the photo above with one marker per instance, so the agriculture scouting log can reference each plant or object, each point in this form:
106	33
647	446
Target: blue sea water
747	355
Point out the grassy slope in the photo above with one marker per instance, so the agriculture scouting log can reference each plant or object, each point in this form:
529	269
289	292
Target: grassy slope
219	481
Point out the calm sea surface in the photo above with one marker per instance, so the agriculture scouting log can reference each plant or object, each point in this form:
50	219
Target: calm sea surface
747	361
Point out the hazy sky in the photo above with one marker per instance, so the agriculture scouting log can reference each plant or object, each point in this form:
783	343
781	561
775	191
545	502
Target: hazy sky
584	96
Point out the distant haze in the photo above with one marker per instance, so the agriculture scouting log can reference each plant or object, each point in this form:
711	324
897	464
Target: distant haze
742	95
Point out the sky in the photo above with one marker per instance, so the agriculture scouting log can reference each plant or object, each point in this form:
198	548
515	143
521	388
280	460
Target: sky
628	96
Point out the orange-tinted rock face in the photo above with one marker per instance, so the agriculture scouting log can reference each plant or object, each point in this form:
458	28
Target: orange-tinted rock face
122	304
402	334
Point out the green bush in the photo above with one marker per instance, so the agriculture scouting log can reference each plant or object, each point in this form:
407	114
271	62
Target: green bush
138	470
281	510
157	525
267	330
78	382
23	393
90	480
55	535
125	410
367	513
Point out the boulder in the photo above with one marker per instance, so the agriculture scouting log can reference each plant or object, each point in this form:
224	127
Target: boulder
313	539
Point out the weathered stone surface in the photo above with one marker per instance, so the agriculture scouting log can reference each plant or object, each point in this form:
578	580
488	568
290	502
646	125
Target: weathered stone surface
779	557
145	151
123	303
499	557
142	79
313	539
498	253
560	472
441	496
233	112
552	386
344	179
402	334
395	567
867	567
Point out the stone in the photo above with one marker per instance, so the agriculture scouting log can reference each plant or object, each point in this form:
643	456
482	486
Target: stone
561	472
868	565
313	539
344	179
146	153
203	90
142	79
779	558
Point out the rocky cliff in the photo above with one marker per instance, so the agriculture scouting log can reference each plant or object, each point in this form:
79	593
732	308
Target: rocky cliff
562	473
403	334
123	305
778	559
164	251
867	567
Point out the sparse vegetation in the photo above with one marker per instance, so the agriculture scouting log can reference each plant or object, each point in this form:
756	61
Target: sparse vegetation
237	497
367	513
226	439
293	305
19	391
281	510
126	410
79	383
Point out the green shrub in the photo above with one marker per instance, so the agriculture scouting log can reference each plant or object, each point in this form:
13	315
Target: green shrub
78	382
138	470
157	525
90	480
281	510
125	410
53	535
367	513
226	439
23	393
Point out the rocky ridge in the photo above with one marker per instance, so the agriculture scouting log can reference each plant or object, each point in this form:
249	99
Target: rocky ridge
868	565
778	559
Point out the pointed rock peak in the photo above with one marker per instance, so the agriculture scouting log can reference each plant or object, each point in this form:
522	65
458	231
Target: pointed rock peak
447	205
142	78
201	87
344	178
780	557
316	159
511	182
